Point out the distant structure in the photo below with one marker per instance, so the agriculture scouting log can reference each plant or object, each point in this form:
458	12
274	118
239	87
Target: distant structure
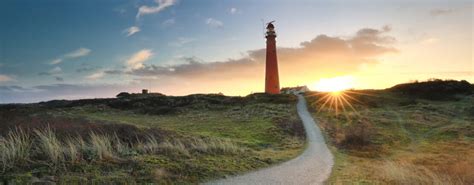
272	81
144	91
293	90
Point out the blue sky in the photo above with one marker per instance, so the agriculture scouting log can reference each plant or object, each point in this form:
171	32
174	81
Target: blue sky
88	44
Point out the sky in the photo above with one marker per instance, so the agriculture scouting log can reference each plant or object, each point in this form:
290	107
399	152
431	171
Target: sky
57	49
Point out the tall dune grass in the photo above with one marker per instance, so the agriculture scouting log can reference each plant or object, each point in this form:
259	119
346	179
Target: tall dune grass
102	146
173	148
215	146
73	149
45	147
15	149
50	146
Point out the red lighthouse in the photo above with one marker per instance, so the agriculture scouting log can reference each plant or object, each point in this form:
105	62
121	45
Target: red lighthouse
272	82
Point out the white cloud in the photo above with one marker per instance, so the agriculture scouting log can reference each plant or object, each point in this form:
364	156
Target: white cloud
78	53
181	41
55	71
5	78
233	10
56	61
168	22
439	12
132	30
96	75
162	4
73	54
214	23
136	60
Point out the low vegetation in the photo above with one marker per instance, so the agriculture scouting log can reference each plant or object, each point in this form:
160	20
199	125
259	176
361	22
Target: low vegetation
146	138
399	136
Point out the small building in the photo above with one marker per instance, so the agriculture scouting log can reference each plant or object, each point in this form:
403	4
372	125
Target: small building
294	90
144	91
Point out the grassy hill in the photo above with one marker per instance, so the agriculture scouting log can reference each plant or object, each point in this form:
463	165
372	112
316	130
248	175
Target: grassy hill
146	138
415	133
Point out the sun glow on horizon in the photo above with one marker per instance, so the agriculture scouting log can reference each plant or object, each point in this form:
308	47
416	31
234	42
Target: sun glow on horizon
334	85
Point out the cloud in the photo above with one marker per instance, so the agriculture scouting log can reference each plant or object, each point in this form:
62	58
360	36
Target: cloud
96	75
214	23
60	79
73	54
55	71
181	41
162	4
56	61
18	94
132	30
78	53
114	72
86	68
369	41
233	10
5	78
323	56
168	22
439	12
12	89
136	60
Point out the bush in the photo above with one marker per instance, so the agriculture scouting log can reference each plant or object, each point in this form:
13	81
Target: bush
292	127
434	89
123	95
358	134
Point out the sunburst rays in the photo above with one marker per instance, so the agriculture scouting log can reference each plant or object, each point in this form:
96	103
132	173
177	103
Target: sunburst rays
338	102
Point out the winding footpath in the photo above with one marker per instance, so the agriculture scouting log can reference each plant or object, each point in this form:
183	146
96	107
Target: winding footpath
313	166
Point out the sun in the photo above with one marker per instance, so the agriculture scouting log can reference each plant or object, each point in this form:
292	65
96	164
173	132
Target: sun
334	85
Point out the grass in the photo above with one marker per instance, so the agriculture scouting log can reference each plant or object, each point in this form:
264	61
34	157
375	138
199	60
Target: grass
50	146
187	139
15	149
390	138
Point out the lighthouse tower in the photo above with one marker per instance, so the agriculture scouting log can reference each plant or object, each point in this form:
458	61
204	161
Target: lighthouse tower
272	82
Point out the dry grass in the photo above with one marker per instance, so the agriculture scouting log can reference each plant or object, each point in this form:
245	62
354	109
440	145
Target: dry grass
215	146
159	174
15	149
50	146
44	146
392	139
184	147
134	136
407	173
73	149
173	148
102	146
120	147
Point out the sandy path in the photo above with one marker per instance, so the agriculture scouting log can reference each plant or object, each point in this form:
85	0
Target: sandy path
313	166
